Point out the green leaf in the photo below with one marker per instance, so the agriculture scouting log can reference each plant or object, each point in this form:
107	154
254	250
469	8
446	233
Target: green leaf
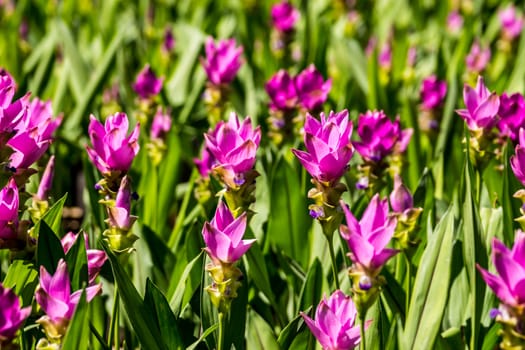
76	259
176	294
49	249
312	289
291	330
259	334
203	336
257	270
77	336
53	217
22	277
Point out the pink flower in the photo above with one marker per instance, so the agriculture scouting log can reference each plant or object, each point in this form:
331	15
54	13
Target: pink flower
282	92
120	212
147	85
368	238
482	107
222	61
478	58
10	112
112	149
385	57
9	202
454	22
511	22
223	236
509	284
334	325
161	124
400	199
517	161
328	147
311	88
46	182
55	298
169	41
12	316
205	163
433	92
380	137
233	145
284	16
512	115
95	258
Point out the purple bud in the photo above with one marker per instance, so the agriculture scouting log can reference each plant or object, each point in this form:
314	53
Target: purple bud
478	58
284	16
223	60
511	22
147	84
400	198
493	313
316	212
47	180
365	283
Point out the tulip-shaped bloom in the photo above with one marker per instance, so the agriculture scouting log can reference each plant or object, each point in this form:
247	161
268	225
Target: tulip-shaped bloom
282	92
482	107
511	22
334	325
223	236
161	124
478	58
55	298
95	258
147	85
512	115
312	89
385	57
112	150
9	203
284	16
12	316
233	145
222	61
517	161
454	22
433	92
46	182
380	137
328	147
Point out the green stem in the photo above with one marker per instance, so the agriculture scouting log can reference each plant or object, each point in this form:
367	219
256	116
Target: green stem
362	317
332	258
221	331
408	281
114	331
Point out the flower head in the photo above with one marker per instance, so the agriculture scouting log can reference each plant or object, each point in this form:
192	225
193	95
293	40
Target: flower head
328	147
478	58
509	284
512	115
511	22
223	236
401	198
95	258
380	137
334	325
223	60
147	85
482	107
169	40
312	89
46	182
112	149
282	92
161	124
9	202
454	22
284	16
517	161
433	92
12	316
385	56
233	145
120	212
368	238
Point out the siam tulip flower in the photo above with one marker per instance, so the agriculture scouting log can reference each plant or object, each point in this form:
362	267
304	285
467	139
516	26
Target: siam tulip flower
517	161
9	202
55	298
334	325
95	258
380	137
312	90
482	107
46	182
284	16
385	57
12	316
147	85
454	22
433	92
282	92
112	150
223	60
511	22
233	145
512	115
400	198
478	58
328	147
223	236
168	43
161	124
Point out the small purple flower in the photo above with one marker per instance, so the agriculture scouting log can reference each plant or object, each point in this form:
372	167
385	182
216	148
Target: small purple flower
120	212
328	147
223	60
9	202
233	145
147	85
282	92
380	137
511	22
400	199
55	298
46	182
433	92
517	161
284	16
95	258
112	149
12	316
482	107
311	88
161	124
334	325
478	58
512	115
509	284
368	238
385	56
454	22
169	40
223	236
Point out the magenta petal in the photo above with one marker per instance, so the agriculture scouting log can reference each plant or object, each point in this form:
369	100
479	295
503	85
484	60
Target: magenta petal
238	251
243	157
362	250
235	230
382	257
53	307
308	163
509	270
470	96
498	286
321	337
487	110
351	221
518	250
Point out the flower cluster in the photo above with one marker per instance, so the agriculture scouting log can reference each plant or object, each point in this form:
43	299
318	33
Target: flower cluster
284	18
511	22
147	85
